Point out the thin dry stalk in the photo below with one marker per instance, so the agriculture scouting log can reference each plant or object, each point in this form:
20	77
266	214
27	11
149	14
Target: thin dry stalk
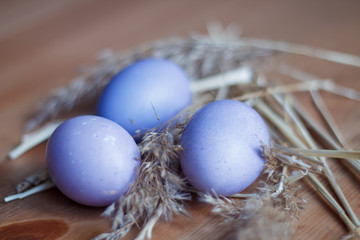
329	153
286	47
330	86
33	139
291	161
319	103
321	107
243	195
33	180
293	117
35	183
326	139
288	88
337	89
279	123
292	138
341	213
242	75
296	176
281	183
330	176
319	53
39	188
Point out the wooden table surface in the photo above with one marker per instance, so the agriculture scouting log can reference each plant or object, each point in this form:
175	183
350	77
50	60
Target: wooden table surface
44	42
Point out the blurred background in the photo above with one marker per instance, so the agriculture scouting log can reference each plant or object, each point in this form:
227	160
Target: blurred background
45	43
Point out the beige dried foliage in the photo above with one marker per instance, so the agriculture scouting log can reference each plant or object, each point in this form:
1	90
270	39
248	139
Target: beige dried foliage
160	190
260	217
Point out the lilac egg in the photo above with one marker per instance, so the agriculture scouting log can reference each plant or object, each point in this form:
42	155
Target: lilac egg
92	160
223	147
145	95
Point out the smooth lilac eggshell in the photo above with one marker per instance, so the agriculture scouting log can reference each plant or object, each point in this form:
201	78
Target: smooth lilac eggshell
92	160
223	147
145	95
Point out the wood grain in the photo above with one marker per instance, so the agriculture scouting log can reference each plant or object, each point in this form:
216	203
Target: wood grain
44	43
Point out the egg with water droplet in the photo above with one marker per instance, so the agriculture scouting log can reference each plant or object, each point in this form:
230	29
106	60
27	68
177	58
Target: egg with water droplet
92	160
144	95
222	147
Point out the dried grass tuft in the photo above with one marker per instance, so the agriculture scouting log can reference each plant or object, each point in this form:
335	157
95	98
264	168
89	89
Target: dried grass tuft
263	219
258	217
160	191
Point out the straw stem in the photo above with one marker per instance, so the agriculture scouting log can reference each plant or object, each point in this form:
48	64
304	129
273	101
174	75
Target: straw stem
42	187
33	139
329	153
349	224
242	75
332	56
327	140
292	138
330	176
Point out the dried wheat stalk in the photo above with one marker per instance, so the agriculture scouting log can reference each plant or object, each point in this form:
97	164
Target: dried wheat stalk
159	192
200	57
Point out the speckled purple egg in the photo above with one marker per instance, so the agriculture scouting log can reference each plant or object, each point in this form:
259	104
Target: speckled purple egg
145	94
92	160
223	147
